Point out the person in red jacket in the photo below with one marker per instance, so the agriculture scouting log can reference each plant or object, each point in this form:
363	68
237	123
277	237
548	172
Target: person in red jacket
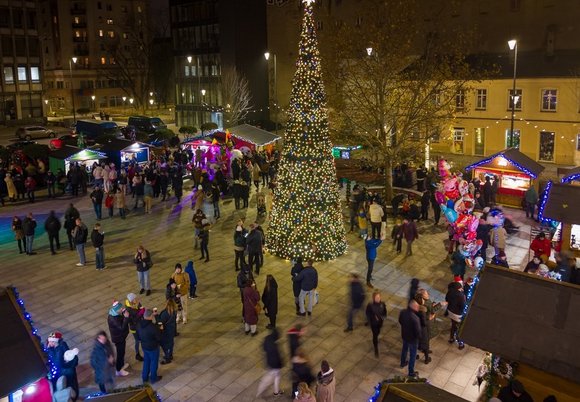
541	246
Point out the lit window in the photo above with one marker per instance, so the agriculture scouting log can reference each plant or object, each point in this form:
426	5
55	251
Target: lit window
77	34
138	9
111	34
8	75
549	100
187	71
101	33
109	21
125	35
460	99
21	74
112	60
512	142
34	74
519	96
77	20
103	60
458	140
214	70
547	140
481	101
479	146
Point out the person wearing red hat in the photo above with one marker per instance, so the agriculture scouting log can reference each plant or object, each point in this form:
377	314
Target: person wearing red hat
55	349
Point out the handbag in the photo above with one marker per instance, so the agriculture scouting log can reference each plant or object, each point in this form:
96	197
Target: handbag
258	308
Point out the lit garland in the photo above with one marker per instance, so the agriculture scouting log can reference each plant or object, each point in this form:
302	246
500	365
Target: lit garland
52	369
306	218
572	177
543	202
492	157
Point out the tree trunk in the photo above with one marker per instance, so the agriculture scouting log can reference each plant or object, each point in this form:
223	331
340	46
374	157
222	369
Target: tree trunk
388	180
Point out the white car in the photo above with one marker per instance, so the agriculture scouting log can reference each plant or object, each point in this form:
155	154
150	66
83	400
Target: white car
30	132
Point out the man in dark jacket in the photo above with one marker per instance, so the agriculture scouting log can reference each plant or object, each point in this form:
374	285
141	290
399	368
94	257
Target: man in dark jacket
308	279
411	333
357	298
80	234
52	226
28	227
118	321
97	199
425	203
254	242
150	336
98	238
70	216
273	363
514	392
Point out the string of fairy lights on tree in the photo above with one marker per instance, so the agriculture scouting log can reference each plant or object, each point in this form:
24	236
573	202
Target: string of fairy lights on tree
306	219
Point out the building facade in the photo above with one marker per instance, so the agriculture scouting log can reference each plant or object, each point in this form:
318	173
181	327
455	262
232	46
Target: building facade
22	81
78	64
208	37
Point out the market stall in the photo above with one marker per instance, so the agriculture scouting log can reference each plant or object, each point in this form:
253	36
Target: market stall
558	207
251	137
572	176
123	152
406	389
344	152
62	158
24	369
139	394
514	171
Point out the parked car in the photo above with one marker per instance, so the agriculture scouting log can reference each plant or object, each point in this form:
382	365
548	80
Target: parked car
146	124
19	145
97	128
29	132
67	139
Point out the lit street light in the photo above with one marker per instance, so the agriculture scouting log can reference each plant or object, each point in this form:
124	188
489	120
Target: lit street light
267	57
513	45
93	97
70	63
369	51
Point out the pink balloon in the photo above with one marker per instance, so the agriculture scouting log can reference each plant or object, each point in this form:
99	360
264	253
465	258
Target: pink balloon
439	197
473	224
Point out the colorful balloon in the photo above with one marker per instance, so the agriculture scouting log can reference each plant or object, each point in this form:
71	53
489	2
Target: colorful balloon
439	197
478	262
450	214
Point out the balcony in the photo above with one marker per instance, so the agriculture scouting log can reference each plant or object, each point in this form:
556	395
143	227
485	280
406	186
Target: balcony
78	11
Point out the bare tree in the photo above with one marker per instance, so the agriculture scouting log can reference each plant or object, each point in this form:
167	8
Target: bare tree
393	84
236	96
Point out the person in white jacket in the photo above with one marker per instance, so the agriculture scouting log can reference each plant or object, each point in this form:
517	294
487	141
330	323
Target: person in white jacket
376	215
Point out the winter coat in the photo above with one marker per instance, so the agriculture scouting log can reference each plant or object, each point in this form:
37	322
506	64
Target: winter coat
56	356
118	326
70	217
301	371
149	334
410	326
104	369
97	238
10	187
17	229
182	280
376	313
244	276
135	314
409	231
80	234
531	196
28	226
120	200
97	197
270	299
541	247
240	240
251	298
458	264
376	213
273	357
296	269
371	246
190	270
308	278
325	386
169	322
143	261
254	242
498	237
52	225
357	294
456	300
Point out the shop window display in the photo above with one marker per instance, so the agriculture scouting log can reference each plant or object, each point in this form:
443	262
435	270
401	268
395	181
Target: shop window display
515	141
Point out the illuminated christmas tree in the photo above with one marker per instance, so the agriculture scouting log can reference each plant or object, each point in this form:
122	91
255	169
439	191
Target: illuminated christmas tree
306	218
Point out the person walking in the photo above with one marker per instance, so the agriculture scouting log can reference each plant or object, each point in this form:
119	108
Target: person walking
411	334
190	271
98	238
251	309
197	221
29	227
52	227
19	234
139	190
80	234
183	283
239	246
215	199
30	185
120	202
294	335
254	242
204	240
135	310
148	194
168	319
102	362
308	279
455	298
243	277
97	196
50	181
143	263
301	372
273	364
325	383
409	232
70	217
530	201
297	267
150	336
376	214
371	245
118	321
357	298
270	300
376	313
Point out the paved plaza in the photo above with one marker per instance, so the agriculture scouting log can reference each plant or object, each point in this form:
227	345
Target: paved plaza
214	359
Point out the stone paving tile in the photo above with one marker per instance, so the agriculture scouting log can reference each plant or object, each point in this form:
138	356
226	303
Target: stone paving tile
214	360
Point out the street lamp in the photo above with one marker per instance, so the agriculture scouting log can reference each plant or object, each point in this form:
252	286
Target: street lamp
369	51
513	45
93	97
203	92
131	101
267	57
70	63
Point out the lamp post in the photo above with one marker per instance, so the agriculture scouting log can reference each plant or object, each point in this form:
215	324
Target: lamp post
267	57
513	45
131	101
93	97
70	63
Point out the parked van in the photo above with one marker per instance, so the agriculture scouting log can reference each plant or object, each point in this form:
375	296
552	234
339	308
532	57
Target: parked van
92	129
146	124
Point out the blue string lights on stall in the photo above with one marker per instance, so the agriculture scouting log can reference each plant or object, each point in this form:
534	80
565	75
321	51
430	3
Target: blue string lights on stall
52	369
492	157
543	200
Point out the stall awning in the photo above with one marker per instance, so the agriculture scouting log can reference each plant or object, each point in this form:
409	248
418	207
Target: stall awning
573	174
76	154
414	392
64	152
23	360
117	145
518	159
145	394
253	135
559	203
526	318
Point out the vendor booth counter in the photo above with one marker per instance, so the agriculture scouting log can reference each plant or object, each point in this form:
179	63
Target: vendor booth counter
123	152
514	171
62	158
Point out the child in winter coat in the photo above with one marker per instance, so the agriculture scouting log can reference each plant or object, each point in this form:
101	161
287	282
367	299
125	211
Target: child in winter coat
110	203
397	236
190	270
362	223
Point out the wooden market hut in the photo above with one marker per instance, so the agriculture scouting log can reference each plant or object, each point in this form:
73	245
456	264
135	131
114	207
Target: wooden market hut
121	151
142	394
252	137
62	158
572	175
530	320
559	203
414	392
516	173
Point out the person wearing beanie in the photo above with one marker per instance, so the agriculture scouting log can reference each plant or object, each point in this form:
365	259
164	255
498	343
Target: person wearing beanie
56	347
118	321
190	270
103	362
325	383
135	310
150	336
173	293
69	371
182	282
239	246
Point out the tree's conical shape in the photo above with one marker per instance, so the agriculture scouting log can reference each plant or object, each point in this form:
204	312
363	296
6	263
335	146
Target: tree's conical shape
306	219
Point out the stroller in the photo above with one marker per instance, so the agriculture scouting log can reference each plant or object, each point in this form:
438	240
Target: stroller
261	204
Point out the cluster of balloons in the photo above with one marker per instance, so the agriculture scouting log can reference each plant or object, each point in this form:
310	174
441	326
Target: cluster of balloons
457	205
